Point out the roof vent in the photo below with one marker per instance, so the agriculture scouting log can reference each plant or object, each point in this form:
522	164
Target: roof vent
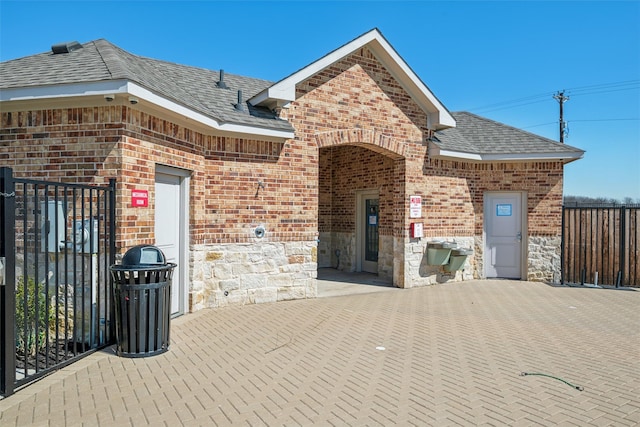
239	105
221	83
65	47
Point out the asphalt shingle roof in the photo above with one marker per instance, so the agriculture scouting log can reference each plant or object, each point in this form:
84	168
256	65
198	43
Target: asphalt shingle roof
196	88
192	87
478	135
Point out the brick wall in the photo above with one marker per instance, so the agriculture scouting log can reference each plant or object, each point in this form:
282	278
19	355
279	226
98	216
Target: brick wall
454	194
70	144
93	144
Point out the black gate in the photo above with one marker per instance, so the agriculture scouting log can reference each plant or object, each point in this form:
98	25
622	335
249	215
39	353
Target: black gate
57	243
601	245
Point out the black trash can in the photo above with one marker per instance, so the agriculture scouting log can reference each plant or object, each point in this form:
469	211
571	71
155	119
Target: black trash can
142	302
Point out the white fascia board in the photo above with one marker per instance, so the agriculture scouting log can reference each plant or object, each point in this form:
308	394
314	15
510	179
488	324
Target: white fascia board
437	152
524	157
127	87
64	91
285	94
531	156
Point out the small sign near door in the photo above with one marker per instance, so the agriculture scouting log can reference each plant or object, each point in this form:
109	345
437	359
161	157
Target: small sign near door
504	209
415	206
139	198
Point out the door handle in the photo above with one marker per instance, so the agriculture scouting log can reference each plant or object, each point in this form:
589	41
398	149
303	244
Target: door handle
3	273
519	236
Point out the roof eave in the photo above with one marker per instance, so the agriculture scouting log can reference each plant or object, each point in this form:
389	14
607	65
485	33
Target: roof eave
114	87
284	91
565	157
63	90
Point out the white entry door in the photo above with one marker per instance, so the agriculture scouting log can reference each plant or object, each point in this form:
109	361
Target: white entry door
503	235
169	221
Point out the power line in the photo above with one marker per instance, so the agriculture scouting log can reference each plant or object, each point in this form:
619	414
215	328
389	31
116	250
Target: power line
603	120
576	91
520	101
604	91
580	120
540	124
514	101
635	84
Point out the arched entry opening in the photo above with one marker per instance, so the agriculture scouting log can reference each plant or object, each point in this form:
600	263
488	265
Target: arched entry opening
360	213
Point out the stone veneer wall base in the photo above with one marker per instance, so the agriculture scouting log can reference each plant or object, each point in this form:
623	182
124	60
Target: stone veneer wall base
252	273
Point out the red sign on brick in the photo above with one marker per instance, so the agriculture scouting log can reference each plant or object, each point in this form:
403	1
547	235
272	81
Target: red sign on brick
139	198
415	207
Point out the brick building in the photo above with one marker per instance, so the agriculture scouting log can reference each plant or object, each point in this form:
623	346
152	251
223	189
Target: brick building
350	163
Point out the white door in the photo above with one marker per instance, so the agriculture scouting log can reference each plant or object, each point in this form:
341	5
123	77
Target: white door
367	237
167	229
503	235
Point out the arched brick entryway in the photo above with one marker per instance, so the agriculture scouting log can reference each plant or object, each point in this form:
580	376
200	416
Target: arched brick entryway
351	162
368	138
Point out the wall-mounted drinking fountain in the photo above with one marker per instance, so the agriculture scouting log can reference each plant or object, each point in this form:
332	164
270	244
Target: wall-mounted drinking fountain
438	252
457	258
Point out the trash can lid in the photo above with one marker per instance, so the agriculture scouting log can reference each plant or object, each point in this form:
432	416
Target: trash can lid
143	255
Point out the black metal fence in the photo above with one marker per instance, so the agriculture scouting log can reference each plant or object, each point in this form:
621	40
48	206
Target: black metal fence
601	245
57	243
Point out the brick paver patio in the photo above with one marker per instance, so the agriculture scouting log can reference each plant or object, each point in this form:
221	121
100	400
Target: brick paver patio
440	355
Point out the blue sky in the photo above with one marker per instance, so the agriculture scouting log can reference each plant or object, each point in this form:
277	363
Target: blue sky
503	60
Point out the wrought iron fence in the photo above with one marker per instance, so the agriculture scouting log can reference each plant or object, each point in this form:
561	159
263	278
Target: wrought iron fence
601	245
58	241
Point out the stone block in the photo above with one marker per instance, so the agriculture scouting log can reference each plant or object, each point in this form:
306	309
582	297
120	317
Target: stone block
295	259
253	281
236	257
259	296
237	297
222	271
272	251
291	293
229	285
279	280
213	256
294	248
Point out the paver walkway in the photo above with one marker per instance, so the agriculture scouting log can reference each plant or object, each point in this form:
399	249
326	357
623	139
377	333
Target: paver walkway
440	355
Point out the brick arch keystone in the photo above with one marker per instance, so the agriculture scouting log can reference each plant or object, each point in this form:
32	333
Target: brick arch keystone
367	138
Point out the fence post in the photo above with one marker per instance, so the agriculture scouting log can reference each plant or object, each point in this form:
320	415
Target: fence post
112	249
7	282
623	234
562	246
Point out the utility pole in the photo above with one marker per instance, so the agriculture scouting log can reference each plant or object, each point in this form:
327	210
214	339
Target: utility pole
561	99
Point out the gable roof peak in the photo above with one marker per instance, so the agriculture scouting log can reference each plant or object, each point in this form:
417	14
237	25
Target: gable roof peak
284	91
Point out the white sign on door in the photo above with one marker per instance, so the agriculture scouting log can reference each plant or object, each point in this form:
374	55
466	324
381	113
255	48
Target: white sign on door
415	207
